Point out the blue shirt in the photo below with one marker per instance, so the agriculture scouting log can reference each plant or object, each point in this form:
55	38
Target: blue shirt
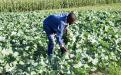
56	24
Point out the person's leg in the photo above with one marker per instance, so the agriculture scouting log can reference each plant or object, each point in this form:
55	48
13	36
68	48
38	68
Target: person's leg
50	36
50	44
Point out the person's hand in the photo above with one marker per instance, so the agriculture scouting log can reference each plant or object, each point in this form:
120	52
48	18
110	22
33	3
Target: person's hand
63	50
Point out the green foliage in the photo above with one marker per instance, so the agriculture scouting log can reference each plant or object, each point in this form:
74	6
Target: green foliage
114	69
94	41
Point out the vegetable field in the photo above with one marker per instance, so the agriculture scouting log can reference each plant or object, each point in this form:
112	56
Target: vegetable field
94	44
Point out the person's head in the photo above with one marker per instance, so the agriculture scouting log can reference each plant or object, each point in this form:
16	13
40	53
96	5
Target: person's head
71	18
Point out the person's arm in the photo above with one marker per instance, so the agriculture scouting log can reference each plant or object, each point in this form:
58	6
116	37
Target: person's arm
60	31
65	30
65	36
